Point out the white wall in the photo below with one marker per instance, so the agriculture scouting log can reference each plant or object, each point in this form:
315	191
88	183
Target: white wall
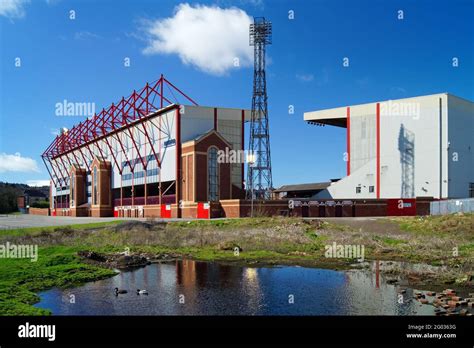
421	172
413	144
461	146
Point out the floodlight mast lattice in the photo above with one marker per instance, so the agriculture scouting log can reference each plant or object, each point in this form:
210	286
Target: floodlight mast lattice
259	173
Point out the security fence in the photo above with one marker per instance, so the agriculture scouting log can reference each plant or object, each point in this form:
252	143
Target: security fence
452	206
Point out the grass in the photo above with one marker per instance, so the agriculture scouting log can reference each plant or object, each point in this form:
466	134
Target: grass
390	241
446	225
260	222
16	232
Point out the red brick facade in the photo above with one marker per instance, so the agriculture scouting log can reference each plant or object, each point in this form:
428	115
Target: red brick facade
101	203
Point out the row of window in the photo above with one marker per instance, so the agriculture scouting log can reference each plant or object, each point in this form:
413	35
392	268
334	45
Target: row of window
141	174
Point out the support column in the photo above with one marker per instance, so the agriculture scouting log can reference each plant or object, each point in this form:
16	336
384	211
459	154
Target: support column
378	150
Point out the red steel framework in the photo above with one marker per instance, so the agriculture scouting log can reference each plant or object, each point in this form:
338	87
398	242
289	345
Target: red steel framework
127	112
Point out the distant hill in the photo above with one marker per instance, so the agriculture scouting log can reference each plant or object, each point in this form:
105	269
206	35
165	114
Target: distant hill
9	193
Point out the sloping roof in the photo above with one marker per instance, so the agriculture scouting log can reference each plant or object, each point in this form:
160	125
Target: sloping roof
205	135
304	187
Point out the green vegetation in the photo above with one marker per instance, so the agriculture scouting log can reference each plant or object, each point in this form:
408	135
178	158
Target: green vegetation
259	241
389	241
40	204
8	198
58	266
453	225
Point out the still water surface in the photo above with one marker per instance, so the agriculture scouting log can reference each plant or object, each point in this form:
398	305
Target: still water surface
219	289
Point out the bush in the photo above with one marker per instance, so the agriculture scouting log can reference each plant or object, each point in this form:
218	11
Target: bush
40	204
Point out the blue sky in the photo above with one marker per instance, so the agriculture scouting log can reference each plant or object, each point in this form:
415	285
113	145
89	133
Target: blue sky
83	60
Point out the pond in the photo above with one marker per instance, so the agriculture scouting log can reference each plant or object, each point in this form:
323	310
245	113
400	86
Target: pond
188	287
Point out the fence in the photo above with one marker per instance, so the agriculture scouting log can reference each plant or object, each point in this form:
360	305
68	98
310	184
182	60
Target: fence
452	206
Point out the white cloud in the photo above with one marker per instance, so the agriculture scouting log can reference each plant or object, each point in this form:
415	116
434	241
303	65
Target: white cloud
13	8
305	77
37	183
84	35
210	38
16	163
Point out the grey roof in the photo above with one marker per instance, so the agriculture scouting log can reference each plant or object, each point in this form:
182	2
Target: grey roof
304	187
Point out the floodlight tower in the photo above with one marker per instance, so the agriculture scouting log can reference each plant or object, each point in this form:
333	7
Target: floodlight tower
259	171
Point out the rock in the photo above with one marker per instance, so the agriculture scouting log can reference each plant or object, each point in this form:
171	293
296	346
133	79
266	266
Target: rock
92	255
453	304
431	293
166	257
125	261
402	291
228	246
392	281
423	300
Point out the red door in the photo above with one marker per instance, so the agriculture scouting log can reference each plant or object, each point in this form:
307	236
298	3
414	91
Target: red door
203	210
166	211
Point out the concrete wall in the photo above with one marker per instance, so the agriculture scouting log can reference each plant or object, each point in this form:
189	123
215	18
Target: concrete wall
460	156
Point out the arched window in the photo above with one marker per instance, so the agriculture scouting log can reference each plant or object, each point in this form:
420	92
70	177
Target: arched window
212	175
94	201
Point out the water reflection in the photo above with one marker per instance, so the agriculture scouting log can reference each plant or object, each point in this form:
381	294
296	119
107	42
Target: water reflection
190	288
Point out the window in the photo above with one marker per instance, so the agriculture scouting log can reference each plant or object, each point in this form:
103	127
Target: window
471	190
95	187
212	175
358	189
371	189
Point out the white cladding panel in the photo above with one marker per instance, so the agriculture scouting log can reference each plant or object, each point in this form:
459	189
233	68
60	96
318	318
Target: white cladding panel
196	121
410	147
460	146
161	130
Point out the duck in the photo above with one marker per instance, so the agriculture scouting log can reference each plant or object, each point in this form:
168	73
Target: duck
121	291
142	292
